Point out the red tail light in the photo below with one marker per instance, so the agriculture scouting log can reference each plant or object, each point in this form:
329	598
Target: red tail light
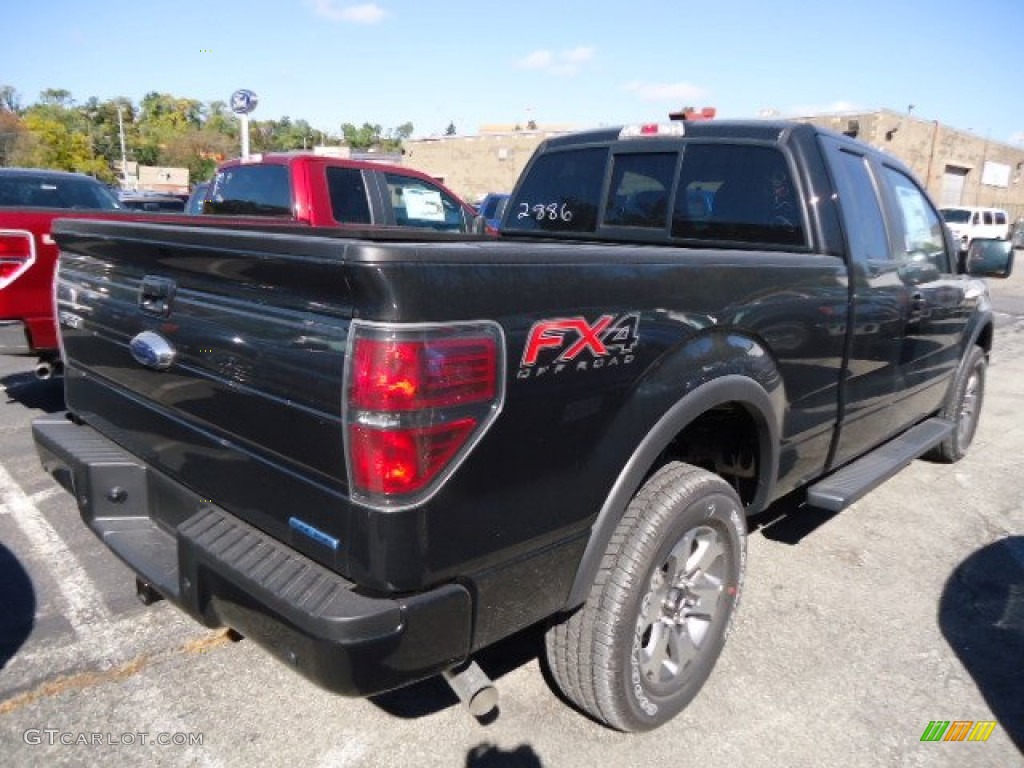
417	399
17	252
393	375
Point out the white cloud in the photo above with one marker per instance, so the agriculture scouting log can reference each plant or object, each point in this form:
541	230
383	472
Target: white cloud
557	62
676	93
367	13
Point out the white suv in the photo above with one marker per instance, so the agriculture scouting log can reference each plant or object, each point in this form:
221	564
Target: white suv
967	222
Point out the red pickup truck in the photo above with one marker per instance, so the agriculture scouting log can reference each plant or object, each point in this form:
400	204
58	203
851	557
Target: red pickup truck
298	189
324	191
30	199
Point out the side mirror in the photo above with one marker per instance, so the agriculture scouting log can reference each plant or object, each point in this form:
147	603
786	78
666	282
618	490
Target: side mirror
987	257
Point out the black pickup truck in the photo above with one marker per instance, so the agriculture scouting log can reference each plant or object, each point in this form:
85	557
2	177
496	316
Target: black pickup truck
377	453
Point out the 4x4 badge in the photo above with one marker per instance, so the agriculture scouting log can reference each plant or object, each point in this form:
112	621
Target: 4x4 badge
574	343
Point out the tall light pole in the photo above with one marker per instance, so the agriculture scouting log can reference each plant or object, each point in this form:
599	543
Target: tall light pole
124	155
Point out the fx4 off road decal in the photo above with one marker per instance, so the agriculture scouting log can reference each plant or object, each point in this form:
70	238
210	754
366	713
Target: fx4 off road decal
565	344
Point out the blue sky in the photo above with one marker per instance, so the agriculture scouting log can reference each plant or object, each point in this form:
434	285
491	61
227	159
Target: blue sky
566	63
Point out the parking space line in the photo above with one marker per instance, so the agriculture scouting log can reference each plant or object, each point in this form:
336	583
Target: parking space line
83	605
40	496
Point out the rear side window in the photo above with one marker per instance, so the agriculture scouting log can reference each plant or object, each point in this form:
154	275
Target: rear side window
561	193
1000	217
349	204
417	203
640	190
737	193
861	209
251	190
55	192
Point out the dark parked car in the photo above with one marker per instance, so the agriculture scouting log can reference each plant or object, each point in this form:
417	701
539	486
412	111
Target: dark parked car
194	206
492	207
152	202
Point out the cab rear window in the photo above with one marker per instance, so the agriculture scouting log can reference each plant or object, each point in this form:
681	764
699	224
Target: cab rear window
251	190
733	193
561	193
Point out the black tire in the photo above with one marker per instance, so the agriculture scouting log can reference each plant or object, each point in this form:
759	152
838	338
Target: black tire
963	407
618	657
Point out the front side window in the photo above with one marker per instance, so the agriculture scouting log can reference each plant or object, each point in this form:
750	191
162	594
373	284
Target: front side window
737	193
922	228
417	203
251	190
640	189
561	193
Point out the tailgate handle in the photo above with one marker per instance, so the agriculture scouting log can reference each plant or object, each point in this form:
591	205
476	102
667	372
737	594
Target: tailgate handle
156	295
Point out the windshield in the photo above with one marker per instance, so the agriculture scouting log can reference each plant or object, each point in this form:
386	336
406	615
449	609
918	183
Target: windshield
956	215
44	191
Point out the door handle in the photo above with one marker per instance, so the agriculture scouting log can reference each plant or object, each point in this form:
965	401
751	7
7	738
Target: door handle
156	295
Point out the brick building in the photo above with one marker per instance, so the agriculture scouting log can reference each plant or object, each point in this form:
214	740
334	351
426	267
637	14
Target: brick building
472	166
958	167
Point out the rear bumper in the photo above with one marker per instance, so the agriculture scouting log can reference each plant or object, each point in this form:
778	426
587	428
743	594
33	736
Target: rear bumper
224	571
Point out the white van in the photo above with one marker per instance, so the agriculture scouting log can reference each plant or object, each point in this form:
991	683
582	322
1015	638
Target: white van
967	222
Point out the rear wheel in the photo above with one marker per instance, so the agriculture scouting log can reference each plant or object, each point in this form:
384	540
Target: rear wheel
964	407
657	616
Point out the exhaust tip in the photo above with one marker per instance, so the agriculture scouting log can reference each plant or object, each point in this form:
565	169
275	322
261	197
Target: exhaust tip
46	369
473	687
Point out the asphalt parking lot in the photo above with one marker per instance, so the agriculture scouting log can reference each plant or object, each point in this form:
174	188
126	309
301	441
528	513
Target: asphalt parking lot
855	632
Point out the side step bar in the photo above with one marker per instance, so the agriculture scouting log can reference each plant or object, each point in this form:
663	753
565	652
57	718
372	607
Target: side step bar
841	489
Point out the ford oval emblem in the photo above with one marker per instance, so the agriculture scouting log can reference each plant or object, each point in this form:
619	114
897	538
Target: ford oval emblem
152	350
243	101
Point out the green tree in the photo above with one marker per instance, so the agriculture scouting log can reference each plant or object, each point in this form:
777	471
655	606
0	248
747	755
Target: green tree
10	101
11	132
361	139
50	144
56	97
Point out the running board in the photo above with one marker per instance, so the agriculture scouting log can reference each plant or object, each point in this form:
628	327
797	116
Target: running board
841	489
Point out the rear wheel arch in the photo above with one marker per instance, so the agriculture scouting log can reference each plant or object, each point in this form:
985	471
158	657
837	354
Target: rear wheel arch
735	395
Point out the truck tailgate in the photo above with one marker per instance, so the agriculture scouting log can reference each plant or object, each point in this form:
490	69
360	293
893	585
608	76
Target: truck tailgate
216	359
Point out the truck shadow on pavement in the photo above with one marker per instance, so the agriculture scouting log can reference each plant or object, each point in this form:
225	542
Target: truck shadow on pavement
17	605
789	519
981	614
38	394
489	756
